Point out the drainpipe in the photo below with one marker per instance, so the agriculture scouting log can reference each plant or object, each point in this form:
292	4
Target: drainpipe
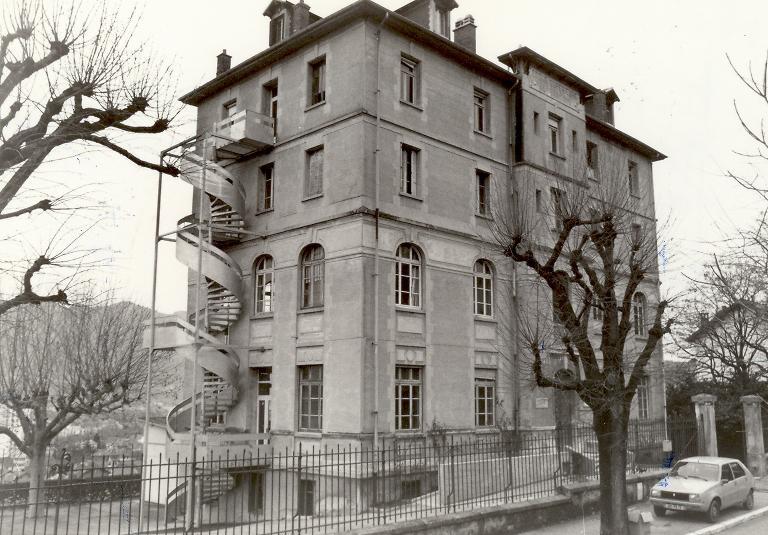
376	245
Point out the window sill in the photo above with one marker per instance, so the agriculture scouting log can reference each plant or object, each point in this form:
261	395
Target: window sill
483	216
313	106
411	105
309	310
410	196
481	133
412	310
316	196
259	212
263	316
308	434
556	155
486	429
411	433
486	319
641	337
634	195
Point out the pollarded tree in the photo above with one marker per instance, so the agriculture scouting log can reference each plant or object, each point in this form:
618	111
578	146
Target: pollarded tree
590	254
60	363
70	77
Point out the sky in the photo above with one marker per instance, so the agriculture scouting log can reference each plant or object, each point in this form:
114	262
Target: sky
665	59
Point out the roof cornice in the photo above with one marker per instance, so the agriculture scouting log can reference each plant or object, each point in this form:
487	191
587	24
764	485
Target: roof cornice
611	132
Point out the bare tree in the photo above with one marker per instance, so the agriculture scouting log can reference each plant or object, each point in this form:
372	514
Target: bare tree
581	256
723	324
70	77
60	363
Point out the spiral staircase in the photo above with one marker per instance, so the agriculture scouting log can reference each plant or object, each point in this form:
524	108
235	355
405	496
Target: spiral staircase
199	246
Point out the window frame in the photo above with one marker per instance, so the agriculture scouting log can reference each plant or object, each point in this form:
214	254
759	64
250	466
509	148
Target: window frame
482	193
407	384
633	177
317	95
312	277
639	311
410	158
312	384
270	103
263	277
275	24
229	109
413	274
555	128
444	22
593	160
643	397
481	117
266	188
410	70
482	286
309	191
485	380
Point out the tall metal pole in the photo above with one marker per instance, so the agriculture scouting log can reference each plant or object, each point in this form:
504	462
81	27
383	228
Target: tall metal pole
147	408
190	520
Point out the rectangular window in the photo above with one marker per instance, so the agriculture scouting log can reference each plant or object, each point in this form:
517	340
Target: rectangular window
313	184
592	161
409	80
637	236
444	23
276	30
317	81
311	398
554	134
230	108
539	204
269	107
485	397
306	505
574	142
409	170
642	397
266	188
536	122
407	398
634	181
482	194
558	207
481	111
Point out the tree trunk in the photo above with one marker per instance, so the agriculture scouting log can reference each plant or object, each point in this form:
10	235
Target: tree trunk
611	429
36	481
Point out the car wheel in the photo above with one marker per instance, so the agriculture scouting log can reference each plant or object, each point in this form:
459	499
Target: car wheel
749	501
713	513
659	510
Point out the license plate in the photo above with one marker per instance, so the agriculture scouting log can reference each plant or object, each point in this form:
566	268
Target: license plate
675	507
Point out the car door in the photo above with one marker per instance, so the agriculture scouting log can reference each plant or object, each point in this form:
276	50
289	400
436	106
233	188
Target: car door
740	481
727	487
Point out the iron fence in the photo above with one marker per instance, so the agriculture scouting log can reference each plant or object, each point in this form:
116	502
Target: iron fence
316	490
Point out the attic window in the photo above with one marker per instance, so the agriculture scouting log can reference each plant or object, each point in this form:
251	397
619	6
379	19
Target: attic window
444	23
276	30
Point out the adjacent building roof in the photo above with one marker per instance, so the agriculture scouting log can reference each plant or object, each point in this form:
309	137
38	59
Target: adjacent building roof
707	325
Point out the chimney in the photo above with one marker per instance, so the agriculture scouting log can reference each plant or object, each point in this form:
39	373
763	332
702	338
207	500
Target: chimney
300	16
223	62
465	33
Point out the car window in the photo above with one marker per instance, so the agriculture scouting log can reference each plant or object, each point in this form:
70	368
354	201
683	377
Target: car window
725	473
686	469
738	471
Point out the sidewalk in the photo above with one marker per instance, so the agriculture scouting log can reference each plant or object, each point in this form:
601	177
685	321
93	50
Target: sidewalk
671	524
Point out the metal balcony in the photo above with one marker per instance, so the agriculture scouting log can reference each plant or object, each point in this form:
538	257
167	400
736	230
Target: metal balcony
243	133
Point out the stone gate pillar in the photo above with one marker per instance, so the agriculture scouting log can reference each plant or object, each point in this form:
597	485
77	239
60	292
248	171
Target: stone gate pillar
705	423
753	433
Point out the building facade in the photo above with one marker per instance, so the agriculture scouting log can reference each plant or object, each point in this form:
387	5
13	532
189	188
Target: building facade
353	290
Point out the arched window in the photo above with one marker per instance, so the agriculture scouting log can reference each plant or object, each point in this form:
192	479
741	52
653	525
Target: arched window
483	288
312	276
638	313
262	284
408	276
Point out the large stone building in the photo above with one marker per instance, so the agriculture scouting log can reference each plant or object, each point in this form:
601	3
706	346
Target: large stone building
353	286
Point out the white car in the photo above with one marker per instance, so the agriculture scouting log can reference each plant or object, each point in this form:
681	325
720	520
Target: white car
704	484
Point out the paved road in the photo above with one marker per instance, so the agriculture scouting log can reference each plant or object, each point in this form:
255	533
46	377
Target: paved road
752	527
671	524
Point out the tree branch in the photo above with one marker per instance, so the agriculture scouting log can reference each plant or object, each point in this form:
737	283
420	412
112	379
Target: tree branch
15	439
167	169
43	205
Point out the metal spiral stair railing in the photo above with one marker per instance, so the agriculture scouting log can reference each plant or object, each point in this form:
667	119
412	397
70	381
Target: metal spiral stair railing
224	297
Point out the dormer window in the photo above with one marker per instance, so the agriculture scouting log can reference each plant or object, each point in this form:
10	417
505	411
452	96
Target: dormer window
444	23
276	30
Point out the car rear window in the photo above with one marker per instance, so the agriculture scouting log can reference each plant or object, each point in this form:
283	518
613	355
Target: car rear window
738	471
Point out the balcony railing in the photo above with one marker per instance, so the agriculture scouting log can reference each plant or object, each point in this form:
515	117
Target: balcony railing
244	132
